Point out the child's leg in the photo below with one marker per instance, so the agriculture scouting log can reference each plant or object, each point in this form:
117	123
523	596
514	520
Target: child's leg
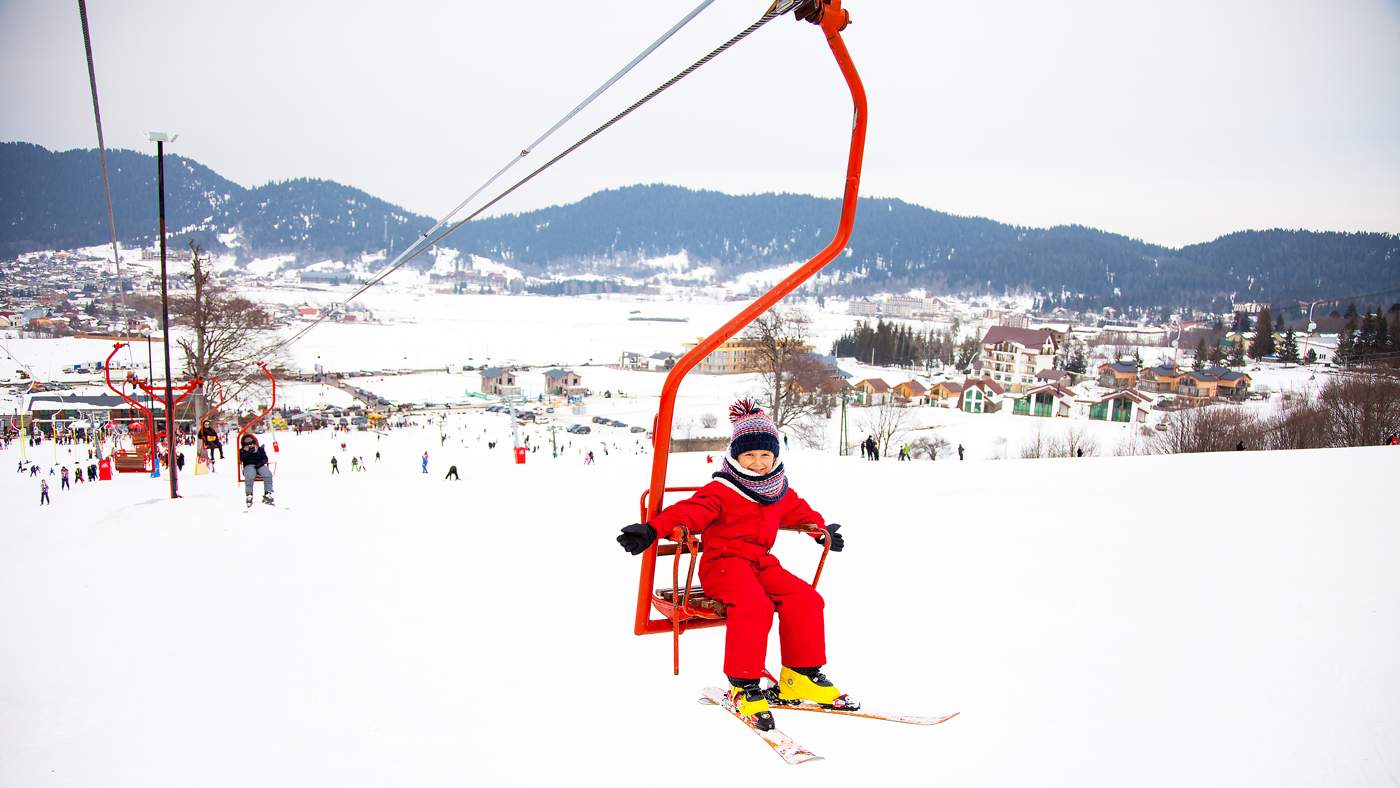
801	622
733	581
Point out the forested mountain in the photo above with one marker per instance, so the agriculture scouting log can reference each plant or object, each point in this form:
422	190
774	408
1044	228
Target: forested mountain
55	200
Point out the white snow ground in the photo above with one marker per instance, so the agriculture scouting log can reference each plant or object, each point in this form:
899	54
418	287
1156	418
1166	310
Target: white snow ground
1207	620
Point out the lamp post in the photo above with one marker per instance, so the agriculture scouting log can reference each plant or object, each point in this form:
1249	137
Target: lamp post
160	138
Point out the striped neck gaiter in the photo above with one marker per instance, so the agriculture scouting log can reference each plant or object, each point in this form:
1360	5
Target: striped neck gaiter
765	489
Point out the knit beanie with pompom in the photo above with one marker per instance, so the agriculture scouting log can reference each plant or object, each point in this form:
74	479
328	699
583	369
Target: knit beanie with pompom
753	430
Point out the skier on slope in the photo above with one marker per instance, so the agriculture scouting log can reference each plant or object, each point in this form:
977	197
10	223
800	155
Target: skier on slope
253	458
739	514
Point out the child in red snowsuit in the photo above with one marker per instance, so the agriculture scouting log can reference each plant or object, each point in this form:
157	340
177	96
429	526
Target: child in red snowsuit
738	515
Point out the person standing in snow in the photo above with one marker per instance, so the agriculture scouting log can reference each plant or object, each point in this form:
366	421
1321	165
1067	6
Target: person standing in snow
960	452
738	515
253	458
64	476
43	491
425	462
335	465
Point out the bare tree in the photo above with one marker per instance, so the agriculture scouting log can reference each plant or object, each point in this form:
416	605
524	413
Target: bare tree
1215	428
709	421
1362	409
1036	446
886	422
1074	440
790	376
810	432
227	335
931	446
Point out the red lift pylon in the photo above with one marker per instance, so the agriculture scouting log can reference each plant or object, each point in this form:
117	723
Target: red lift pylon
685	607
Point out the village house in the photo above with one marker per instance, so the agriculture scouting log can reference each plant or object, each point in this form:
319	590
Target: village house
980	395
945	393
912	392
1159	380
559	381
872	391
734	356
635	361
1013	356
499	382
1048	400
1197	388
1230	383
1125	406
1118	375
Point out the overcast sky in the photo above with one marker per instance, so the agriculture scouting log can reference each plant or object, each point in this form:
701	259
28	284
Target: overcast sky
1171	122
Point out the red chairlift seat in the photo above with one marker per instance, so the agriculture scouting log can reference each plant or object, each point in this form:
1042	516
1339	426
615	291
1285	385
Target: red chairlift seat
686	606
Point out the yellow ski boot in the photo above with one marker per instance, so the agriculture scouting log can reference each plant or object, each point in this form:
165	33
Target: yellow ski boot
809	685
752	704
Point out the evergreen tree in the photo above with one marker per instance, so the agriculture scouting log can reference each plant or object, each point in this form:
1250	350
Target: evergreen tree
1079	360
1288	354
1366	339
1351	311
1263	342
1235	358
1346	344
1199	362
1217	354
1311	357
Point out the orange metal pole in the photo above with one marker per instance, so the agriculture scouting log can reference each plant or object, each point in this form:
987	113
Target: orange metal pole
834	21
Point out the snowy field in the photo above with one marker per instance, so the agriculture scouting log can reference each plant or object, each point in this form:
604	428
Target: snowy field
1212	620
1102	622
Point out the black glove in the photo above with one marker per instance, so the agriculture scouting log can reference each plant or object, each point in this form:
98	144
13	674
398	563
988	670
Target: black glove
637	537
837	540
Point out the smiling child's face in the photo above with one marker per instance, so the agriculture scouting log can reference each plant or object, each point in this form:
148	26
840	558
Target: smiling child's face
756	461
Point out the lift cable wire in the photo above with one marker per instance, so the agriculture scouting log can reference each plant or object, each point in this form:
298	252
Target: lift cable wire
1347	298
106	182
531	147
773	12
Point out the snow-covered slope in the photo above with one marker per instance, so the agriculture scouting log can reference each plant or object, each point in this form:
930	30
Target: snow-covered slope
1098	622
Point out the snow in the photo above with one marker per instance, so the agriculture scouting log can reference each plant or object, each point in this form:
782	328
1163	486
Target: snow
1213	620
395	628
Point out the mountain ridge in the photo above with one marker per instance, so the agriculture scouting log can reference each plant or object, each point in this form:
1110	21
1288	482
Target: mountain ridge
55	200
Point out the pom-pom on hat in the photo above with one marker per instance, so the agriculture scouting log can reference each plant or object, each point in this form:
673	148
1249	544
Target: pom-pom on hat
753	430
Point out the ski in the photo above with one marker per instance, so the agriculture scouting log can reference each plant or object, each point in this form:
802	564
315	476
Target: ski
787	749
871	715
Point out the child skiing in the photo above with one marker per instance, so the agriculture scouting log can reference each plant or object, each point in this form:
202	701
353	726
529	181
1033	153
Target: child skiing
43	491
253	458
739	514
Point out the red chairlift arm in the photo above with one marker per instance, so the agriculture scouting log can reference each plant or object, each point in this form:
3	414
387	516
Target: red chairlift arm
833	20
107	374
250	424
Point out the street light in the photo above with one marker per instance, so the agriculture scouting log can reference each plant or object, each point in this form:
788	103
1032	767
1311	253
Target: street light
160	138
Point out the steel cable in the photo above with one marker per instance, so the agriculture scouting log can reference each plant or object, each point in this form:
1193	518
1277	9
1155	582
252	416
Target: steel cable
775	11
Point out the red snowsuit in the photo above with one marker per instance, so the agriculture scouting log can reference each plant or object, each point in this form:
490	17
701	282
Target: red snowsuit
737	569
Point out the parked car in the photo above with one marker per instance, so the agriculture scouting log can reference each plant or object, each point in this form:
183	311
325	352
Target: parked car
600	420
618	424
580	429
639	429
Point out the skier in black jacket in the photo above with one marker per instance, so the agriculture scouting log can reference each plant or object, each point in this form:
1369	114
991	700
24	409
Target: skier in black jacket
253	458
